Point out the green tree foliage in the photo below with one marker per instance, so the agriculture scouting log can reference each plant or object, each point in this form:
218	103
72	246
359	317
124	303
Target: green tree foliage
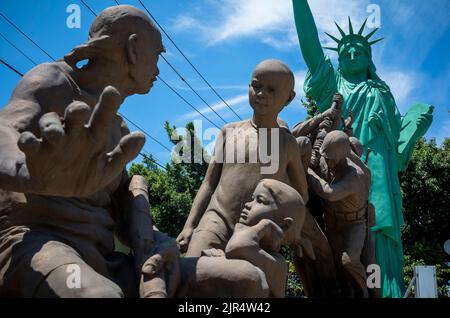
172	190
311	106
426	202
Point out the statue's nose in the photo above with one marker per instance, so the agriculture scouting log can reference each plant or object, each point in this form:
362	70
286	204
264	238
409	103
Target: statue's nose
352	54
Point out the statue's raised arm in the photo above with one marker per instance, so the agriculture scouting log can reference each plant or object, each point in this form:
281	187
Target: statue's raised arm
307	34
320	81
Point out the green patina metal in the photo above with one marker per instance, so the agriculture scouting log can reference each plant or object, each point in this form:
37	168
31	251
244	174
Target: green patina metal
377	123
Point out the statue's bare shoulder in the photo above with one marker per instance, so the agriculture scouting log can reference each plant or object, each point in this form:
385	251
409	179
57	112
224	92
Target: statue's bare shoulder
43	89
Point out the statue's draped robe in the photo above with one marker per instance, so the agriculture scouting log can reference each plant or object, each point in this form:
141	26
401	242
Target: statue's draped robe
378	124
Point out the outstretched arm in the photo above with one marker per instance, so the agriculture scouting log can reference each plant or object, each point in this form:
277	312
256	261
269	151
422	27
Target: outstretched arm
204	194
414	125
308	126
307	34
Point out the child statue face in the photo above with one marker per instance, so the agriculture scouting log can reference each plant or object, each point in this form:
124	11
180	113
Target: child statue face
270	90
262	206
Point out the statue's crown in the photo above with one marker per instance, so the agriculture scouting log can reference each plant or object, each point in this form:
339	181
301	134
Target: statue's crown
353	38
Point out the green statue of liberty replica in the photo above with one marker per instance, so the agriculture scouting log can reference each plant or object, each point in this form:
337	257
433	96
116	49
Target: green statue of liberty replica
377	124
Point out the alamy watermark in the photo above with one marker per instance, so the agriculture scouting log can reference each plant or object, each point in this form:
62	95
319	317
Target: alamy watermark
374	19
231	146
74	278
374	276
73	21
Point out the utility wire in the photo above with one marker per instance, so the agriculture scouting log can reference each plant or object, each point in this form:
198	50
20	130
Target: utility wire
21	52
85	4
18	29
192	106
151	157
10	67
140	128
186	58
192	89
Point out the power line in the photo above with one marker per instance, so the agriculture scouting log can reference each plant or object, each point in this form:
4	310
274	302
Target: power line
10	67
186	58
153	138
192	89
85	4
192	106
18	29
21	52
151	157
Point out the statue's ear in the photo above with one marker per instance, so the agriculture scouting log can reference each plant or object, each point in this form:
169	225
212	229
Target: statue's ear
286	223
88	50
291	97
132	48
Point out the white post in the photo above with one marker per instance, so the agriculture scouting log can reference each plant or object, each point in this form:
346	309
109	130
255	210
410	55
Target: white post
426	285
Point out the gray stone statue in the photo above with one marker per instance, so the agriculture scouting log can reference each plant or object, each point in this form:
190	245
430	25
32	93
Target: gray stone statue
228	184
64	190
343	186
317	275
251	265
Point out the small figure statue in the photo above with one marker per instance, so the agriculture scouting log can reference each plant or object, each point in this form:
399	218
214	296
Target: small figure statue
320	124
64	190
229	184
251	265
344	190
318	276
328	124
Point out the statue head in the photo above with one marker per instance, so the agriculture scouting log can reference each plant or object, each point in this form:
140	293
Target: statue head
356	146
271	87
335	148
123	44
279	202
354	49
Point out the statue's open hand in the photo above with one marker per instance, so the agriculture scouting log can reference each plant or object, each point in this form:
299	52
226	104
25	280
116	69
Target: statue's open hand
72	158
184	238
165	260
266	234
272	237
423	122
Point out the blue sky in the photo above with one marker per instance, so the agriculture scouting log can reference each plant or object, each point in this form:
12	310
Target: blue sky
226	39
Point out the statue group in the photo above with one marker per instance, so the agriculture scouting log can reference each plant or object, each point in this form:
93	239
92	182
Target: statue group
65	194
